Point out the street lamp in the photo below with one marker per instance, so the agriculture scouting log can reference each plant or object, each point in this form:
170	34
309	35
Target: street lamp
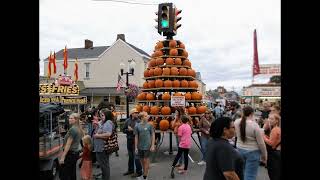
130	72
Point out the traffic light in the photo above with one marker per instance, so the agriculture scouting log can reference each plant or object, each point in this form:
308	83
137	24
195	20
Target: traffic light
175	25
167	19
164	11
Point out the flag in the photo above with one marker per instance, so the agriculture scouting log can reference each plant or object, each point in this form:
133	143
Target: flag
54	63
120	82
49	66
256	67
76	70
65	58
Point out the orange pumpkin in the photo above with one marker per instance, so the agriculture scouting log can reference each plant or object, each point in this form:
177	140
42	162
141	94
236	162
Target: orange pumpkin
139	107
158	83
169	61
186	62
154	110
193	84
177	94
159	61
173	52
177	61
151	72
174	71
182	45
201	109
167	83
145	85
142	96
187	96
191	72
157	71
150	96
192	110
166	96
184	53
146	73
172	43
199	96
176	83
165	110
164	125
194	96
152	63
183	72
146	108
184	83
158	53
151	84
159	45
166	71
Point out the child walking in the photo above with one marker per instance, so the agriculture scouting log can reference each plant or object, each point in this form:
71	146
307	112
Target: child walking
86	168
184	134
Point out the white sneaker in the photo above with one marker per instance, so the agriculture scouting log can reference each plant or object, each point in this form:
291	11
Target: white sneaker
201	163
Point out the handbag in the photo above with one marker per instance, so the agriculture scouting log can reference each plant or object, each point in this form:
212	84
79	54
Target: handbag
111	144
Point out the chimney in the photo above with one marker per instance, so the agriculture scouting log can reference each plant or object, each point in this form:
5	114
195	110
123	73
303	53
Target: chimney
88	44
121	36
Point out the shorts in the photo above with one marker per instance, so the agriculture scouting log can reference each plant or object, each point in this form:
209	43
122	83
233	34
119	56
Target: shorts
143	153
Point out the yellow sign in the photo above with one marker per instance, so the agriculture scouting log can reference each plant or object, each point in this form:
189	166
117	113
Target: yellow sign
56	89
64	99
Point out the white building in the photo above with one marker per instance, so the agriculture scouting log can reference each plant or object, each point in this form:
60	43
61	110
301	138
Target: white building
99	66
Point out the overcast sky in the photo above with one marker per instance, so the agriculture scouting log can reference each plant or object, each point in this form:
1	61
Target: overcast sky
218	34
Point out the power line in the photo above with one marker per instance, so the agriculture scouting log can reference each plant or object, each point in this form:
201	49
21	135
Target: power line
128	2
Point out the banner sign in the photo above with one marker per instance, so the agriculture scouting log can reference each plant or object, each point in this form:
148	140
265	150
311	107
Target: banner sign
270	69
263	91
178	101
64	99
46	89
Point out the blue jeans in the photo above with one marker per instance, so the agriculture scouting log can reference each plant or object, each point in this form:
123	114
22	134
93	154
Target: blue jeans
103	160
204	143
180	159
251	163
133	159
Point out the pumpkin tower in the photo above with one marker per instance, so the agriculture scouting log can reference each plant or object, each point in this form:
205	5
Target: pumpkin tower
169	74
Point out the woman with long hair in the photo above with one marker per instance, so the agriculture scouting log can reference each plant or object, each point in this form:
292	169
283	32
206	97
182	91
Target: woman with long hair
204	126
70	154
104	130
273	143
250	143
176	123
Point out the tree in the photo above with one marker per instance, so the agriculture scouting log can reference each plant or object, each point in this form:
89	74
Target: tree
275	79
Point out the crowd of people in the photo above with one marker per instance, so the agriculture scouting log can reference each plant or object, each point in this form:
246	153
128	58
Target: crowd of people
234	143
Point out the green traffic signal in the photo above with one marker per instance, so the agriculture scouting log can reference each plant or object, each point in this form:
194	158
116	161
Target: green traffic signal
165	23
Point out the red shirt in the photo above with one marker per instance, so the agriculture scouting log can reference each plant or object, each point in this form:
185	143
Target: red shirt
86	155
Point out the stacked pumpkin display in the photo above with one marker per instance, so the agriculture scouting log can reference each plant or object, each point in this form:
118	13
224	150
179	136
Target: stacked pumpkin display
169	73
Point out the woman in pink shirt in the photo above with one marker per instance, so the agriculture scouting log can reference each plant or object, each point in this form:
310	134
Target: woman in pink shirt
184	134
273	144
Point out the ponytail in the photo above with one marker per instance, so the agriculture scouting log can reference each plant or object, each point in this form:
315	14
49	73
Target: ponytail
247	111
243	128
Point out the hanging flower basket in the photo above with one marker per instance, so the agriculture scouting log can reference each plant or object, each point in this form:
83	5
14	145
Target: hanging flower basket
132	91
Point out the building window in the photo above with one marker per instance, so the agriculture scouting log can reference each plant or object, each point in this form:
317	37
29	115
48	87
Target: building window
117	100
106	98
87	70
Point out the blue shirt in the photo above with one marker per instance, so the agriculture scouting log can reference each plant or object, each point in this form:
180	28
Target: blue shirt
98	143
144	132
